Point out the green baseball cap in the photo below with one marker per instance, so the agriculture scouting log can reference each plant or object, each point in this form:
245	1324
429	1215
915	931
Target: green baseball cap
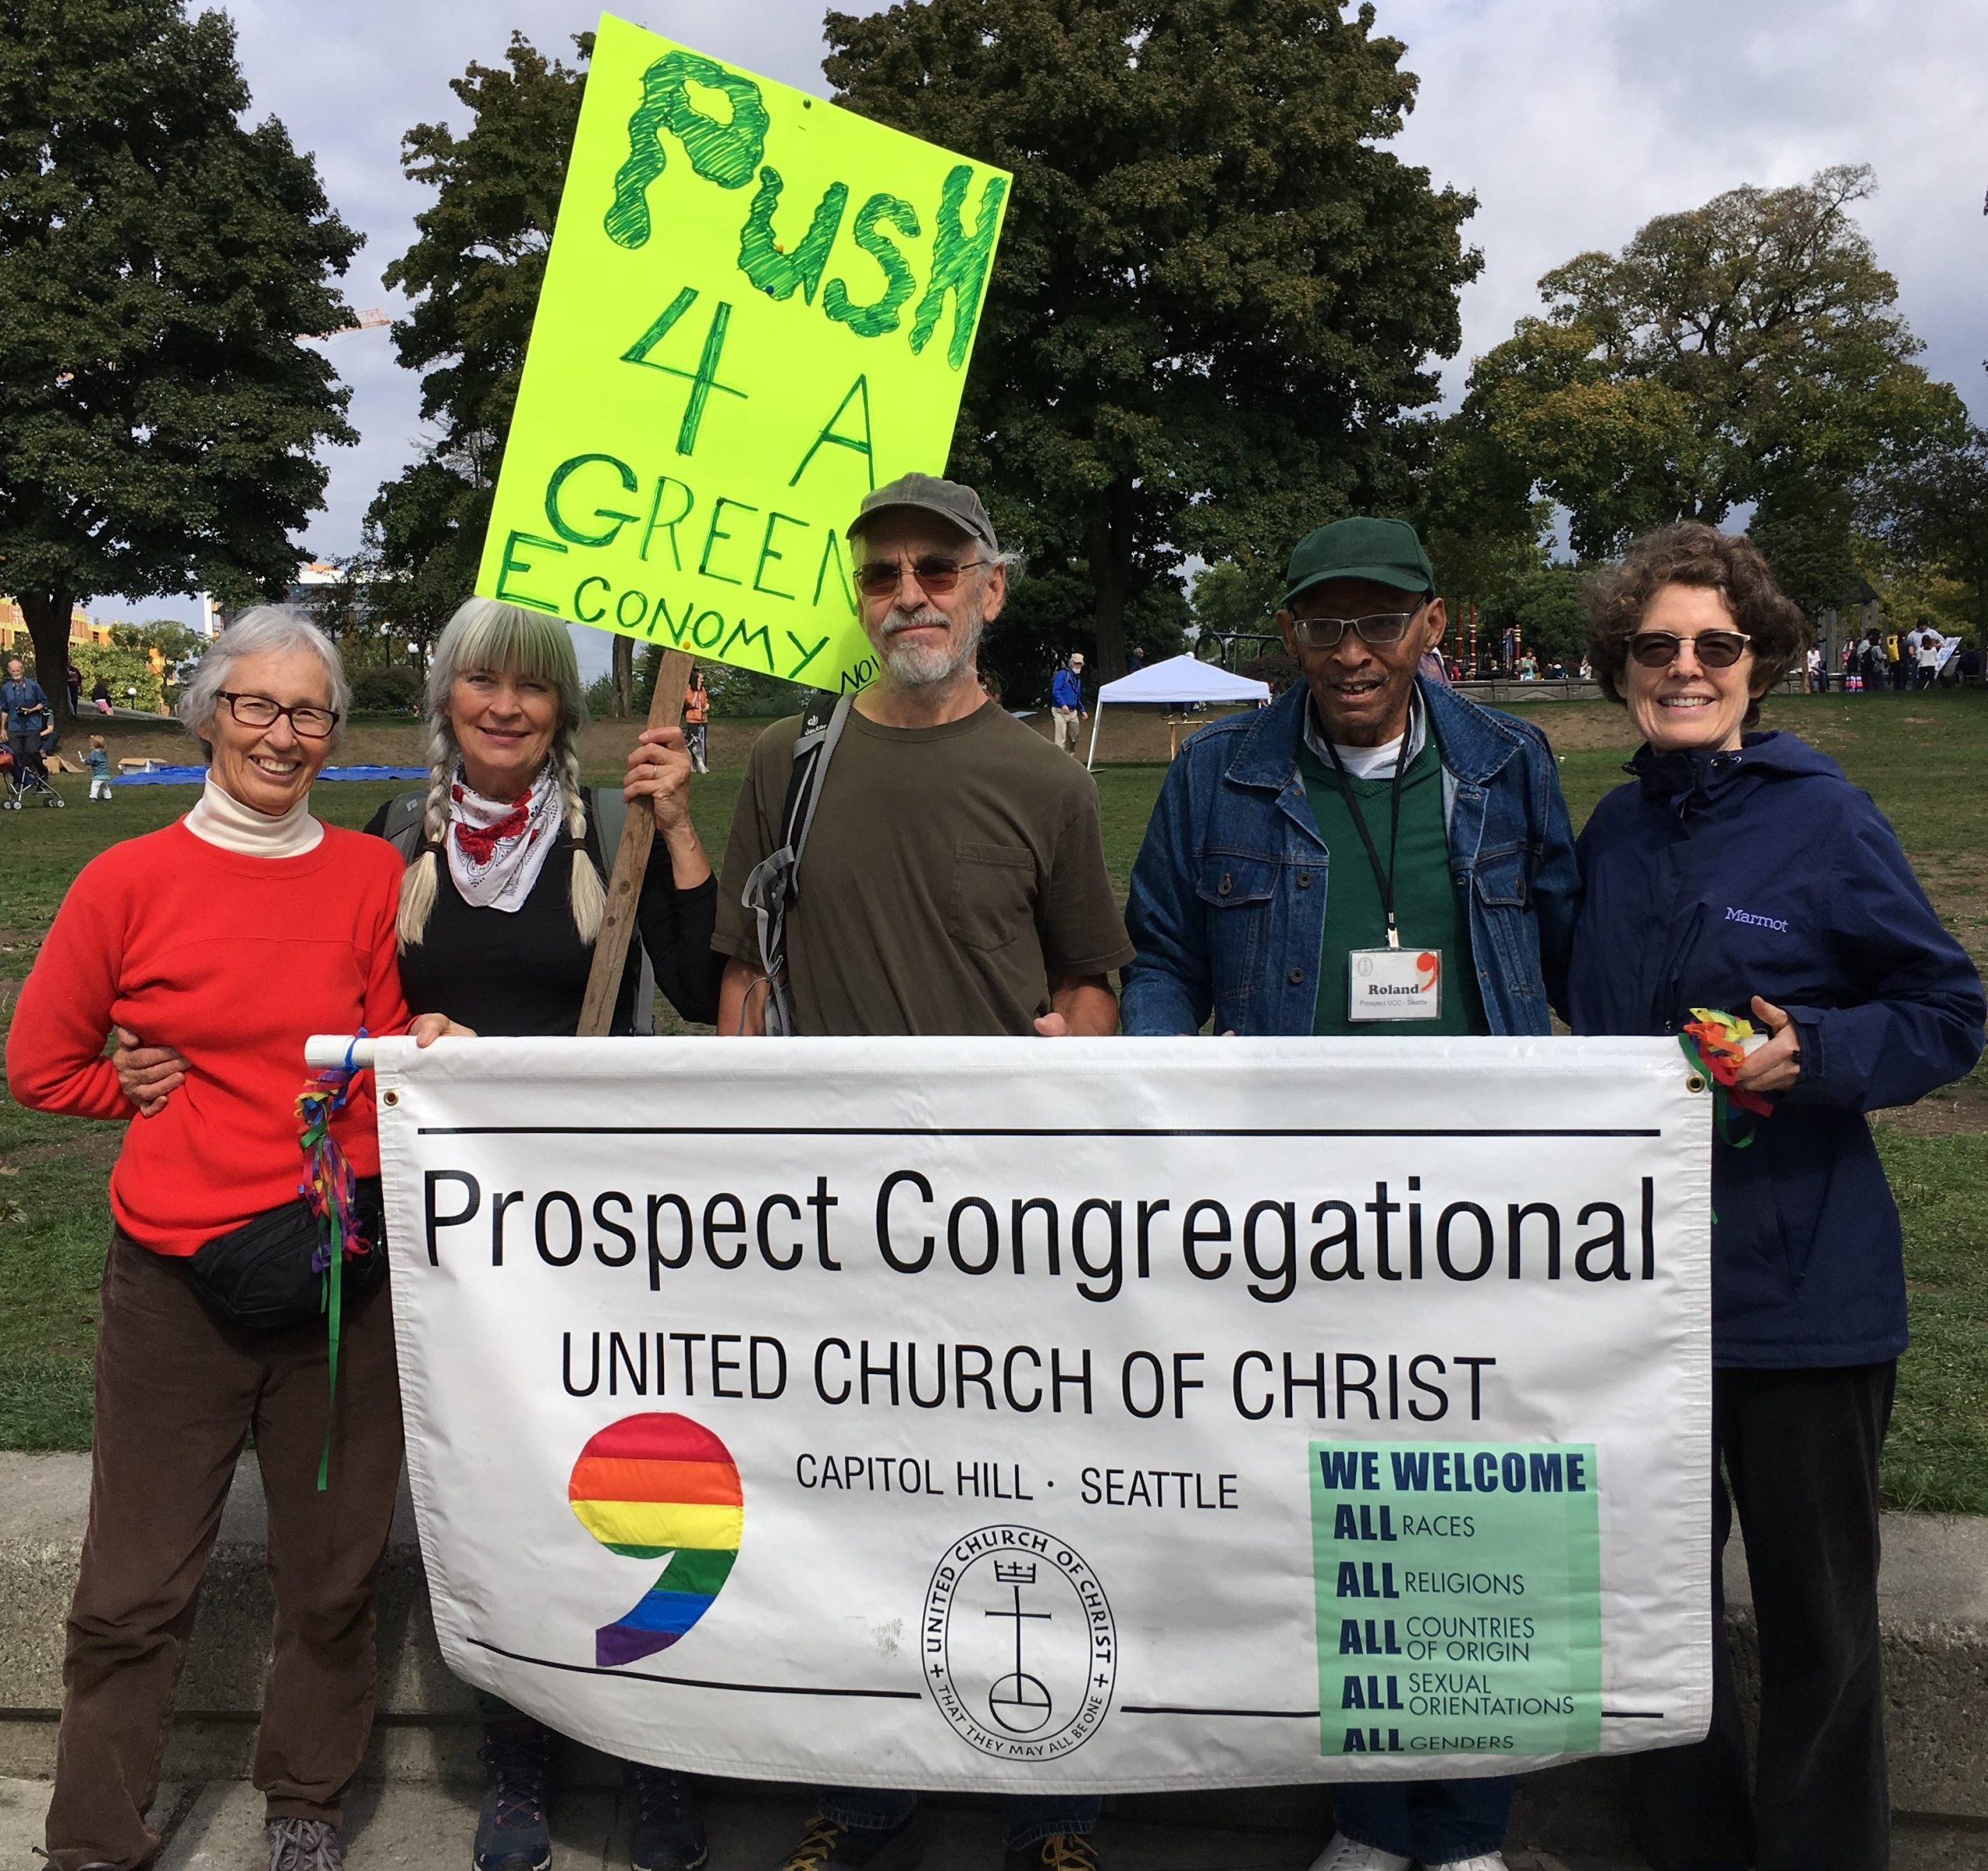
1381	551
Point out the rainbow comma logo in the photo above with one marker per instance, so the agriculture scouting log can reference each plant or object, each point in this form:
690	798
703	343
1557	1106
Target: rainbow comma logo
658	1486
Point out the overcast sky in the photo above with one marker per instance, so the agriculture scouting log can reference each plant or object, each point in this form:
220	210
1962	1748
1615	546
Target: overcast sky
1573	121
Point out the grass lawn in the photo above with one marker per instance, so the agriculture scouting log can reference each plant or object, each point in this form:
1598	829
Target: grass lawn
1924	759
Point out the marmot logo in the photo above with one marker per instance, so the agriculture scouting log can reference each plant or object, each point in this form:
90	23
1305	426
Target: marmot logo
1756	921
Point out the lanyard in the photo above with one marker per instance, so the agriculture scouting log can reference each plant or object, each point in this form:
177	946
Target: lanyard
1384	879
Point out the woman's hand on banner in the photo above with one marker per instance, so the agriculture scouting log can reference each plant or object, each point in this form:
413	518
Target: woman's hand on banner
146	1075
425	1029
1777	1065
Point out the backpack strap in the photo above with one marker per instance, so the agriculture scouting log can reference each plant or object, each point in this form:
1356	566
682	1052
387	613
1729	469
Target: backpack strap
402	828
774	886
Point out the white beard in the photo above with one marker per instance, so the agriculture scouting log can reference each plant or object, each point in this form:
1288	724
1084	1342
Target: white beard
920	665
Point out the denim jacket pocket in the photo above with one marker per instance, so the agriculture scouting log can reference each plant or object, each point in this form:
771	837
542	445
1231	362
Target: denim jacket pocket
993	894
1500	879
1236	892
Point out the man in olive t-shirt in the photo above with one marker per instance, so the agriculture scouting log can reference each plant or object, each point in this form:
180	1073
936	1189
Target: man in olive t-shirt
953	883
954	878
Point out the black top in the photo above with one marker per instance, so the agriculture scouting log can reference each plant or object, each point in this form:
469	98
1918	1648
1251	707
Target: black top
524	972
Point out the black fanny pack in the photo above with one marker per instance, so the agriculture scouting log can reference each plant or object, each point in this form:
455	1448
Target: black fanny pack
259	1275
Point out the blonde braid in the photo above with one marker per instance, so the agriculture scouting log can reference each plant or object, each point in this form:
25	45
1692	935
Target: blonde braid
586	893
417	888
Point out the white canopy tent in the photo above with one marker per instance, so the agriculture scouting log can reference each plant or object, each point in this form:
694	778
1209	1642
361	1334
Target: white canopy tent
1179	679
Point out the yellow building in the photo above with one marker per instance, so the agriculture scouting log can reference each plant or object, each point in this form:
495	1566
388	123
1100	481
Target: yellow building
15	641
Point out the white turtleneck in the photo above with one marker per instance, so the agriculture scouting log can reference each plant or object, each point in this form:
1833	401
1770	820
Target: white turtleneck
221	819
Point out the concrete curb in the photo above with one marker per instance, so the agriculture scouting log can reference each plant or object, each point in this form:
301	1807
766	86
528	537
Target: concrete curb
1935	1610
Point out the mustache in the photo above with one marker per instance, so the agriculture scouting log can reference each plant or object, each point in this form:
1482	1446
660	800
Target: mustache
925	617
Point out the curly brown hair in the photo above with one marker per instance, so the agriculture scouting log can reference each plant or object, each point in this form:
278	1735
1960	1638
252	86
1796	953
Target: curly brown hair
1692	553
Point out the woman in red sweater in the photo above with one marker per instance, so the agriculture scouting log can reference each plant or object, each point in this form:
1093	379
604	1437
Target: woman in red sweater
229	937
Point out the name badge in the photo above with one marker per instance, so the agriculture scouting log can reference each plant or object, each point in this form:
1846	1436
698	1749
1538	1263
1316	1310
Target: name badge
1396	984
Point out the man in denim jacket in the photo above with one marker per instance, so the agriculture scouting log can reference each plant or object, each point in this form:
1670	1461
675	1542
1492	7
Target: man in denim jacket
1371	853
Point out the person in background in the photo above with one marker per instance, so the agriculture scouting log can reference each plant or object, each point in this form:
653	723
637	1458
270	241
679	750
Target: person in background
953	883
1739	870
98	761
100	695
1818	680
72	681
1066	703
24	704
224	940
697	713
1926	655
1260	882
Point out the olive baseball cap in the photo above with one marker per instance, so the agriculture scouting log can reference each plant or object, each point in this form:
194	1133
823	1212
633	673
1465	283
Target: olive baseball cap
1381	551
951	500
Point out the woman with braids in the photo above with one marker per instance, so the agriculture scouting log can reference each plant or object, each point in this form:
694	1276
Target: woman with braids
1739	870
503	899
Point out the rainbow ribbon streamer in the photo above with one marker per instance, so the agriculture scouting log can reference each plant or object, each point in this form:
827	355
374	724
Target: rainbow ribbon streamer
1714	1043
331	1189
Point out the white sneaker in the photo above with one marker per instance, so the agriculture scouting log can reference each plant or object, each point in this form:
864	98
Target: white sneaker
1345	1854
1484	1860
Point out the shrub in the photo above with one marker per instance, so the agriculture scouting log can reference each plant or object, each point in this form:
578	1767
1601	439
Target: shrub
393	689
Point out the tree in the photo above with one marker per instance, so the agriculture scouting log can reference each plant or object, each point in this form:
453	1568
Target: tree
474	273
1930	509
158	260
1234	597
1216	291
1747	351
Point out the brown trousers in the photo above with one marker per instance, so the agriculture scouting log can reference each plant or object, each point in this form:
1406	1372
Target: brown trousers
177	1393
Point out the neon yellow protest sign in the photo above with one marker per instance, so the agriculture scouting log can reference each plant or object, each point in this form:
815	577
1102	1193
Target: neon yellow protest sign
757	307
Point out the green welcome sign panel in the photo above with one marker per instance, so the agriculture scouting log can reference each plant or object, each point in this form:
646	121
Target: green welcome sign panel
757	307
1459	1597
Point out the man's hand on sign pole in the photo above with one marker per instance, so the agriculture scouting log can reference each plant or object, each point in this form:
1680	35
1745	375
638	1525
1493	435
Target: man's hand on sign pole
1081	1007
659	771
1777	1065
146	1075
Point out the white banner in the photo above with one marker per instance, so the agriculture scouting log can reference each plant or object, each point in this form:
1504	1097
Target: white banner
1096	1416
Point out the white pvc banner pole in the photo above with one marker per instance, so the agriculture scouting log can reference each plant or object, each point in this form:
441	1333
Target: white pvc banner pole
1093	1415
1096	721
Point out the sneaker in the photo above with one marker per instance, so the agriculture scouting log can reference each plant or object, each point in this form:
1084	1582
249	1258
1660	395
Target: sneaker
304	1844
1484	1860
1059	1852
828	1843
666	1833
511	1834
1345	1854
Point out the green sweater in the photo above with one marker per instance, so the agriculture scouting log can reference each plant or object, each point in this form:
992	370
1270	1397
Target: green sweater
1428	913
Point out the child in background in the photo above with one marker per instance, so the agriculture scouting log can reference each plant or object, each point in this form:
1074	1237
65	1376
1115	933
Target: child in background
98	761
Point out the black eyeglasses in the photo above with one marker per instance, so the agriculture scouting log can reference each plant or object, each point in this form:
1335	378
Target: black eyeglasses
313	723
1328	633
1716	649
936	574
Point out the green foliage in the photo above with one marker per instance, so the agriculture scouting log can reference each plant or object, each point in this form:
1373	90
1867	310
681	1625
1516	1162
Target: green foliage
732	691
158	258
1217	290
1745	351
1237	596
474	273
1543	605
125	666
387	688
1929	509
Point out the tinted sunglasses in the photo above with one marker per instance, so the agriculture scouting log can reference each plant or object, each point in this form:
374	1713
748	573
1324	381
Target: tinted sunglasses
936	574
1716	649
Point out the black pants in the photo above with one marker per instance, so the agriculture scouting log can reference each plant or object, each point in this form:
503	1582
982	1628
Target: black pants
1801	1458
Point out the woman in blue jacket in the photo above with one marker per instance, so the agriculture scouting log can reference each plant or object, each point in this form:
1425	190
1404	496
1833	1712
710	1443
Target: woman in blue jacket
1741	871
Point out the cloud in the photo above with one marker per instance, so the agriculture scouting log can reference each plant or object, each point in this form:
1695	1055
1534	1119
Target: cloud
1573	122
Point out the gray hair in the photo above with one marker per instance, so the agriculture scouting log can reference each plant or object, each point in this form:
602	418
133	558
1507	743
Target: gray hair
268	630
485	634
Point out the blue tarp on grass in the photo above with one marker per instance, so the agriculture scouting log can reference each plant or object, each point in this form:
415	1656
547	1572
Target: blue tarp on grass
197	775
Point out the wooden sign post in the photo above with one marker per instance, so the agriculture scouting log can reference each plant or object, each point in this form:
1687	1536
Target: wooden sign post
631	857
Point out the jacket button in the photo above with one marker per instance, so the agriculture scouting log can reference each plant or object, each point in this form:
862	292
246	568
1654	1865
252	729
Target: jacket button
1296	976
1303	880
1223	889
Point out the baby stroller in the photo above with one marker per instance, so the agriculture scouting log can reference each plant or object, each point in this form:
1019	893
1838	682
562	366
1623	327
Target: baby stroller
24	780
